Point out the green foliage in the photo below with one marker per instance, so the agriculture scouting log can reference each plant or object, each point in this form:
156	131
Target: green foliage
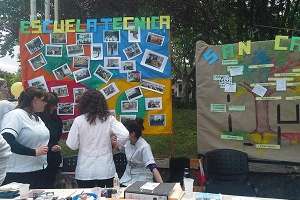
10	77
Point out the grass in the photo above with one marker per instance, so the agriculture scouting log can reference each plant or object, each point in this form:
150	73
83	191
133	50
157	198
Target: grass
182	143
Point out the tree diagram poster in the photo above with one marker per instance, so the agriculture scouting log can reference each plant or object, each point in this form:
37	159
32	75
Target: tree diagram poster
125	58
248	96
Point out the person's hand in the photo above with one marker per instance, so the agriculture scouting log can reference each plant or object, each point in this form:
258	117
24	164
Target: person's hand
55	148
41	150
114	141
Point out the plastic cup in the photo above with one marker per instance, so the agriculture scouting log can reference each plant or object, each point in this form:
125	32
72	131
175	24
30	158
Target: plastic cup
188	187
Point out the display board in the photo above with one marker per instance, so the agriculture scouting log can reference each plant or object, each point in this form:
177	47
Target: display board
125	58
248	97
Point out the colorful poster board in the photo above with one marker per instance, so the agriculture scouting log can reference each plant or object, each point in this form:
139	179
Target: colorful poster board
248	97
130	67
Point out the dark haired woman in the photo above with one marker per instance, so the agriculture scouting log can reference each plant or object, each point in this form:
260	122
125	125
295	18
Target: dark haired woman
140	162
54	124
28	137
91	134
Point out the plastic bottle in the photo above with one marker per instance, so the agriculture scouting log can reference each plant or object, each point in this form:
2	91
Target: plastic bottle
116	182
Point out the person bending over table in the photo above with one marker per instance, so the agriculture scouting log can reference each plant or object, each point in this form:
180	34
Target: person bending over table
28	137
140	162
91	134
54	124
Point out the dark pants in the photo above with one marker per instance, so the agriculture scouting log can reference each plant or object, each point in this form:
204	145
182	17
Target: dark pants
50	174
35	179
95	183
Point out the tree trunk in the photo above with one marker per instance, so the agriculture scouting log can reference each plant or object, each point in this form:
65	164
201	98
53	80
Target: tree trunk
262	116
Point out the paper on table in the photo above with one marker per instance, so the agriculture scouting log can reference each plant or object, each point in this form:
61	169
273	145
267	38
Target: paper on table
281	85
259	90
230	87
149	186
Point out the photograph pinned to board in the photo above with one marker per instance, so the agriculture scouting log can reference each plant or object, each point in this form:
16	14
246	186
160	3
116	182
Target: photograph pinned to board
77	93
81	62
75	50
60	91
157	120
125	118
134	35
154	60
81	75
34	45
112	48
134	76
110	90
153	86
65	108
67	125
154	38
62	72
127	66
111	36
132	51
97	51
103	74
154	103
112	62
134	93
58	38
84	38
37	62
53	50
130	106
38	82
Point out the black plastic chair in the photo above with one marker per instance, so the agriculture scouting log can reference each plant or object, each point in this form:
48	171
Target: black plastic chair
227	171
69	164
120	163
176	169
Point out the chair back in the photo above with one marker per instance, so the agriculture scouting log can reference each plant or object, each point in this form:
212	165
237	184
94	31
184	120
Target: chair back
226	164
120	161
176	167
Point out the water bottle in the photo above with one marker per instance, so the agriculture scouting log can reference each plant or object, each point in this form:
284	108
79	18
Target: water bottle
187	183
116	182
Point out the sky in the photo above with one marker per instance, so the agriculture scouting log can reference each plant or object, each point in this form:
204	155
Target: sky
9	64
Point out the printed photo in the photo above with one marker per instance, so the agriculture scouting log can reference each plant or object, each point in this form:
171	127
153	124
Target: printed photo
54	50
155	87
127	66
134	93
62	71
157	120
97	51
132	51
125	118
58	38
111	36
155	39
130	106
37	62
77	93
38	82
65	109
84	38
67	125
134	76
81	75
134	35
81	62
75	50
154	60
154	103
103	74
112	48
34	45
112	62
110	90
61	91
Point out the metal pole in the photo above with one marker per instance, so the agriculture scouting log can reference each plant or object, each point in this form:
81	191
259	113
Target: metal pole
47	9
32	10
55	9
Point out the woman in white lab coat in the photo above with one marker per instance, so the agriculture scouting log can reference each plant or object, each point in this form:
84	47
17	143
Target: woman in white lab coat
91	135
